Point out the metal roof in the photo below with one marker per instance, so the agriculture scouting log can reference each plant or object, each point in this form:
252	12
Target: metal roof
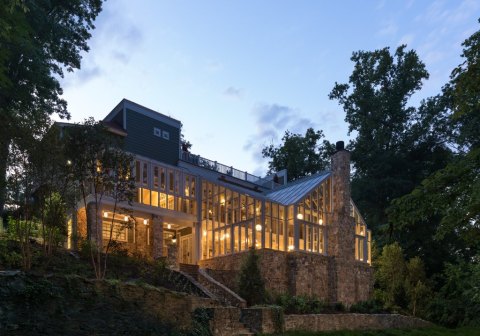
294	191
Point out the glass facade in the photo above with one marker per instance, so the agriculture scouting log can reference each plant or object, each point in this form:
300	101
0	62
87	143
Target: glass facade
234	219
165	187
363	236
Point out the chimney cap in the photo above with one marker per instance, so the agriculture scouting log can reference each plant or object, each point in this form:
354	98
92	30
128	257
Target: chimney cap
340	145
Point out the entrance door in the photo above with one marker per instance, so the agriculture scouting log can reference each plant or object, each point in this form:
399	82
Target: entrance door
186	249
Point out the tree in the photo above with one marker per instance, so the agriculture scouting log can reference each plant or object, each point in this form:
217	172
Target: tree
416	286
390	275
102	170
251	285
38	41
395	146
300	155
448	201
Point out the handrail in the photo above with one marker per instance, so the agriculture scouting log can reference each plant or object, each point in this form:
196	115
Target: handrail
218	167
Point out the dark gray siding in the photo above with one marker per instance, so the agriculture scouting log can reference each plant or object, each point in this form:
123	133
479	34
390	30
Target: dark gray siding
118	119
140	139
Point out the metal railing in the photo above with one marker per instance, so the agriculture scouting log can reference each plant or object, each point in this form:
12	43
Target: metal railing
218	167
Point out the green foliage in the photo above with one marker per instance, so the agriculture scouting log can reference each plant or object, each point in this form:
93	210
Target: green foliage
201	322
38	41
9	257
304	304
395	145
458	300
251	285
390	275
369	307
300	155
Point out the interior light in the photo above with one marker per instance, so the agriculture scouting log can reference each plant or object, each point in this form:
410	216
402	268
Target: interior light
258	227
227	235
174	239
125	218
169	226
204	233
105	214
291	247
320	221
145	221
300	216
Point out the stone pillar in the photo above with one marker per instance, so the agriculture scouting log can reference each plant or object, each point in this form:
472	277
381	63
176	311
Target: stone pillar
341	228
94	224
157	232
172	254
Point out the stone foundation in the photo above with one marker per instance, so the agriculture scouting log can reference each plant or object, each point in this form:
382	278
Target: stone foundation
300	273
329	322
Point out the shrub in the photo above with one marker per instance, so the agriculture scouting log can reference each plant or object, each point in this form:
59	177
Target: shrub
368	307
251	285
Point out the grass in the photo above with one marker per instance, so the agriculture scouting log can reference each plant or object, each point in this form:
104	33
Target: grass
436	331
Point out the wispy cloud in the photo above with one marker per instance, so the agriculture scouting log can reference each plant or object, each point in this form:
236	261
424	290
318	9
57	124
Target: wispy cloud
233	92
272	120
388	28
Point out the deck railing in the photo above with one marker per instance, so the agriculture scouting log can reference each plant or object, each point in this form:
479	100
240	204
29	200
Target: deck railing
218	167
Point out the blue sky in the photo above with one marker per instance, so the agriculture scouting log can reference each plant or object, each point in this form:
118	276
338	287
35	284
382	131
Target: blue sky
238	74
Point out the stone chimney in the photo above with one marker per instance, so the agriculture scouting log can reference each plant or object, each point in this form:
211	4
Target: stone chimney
341	229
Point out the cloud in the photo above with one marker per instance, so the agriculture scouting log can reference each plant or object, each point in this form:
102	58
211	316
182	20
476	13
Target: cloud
272	120
388	28
233	92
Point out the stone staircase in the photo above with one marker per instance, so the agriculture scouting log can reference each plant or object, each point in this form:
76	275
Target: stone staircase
208	284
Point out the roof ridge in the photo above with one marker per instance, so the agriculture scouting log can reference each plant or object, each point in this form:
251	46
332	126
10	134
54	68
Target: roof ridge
300	180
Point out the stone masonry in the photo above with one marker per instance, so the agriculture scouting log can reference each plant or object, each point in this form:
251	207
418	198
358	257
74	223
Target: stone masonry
335	277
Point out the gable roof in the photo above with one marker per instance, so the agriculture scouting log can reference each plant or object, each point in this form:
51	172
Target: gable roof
294	191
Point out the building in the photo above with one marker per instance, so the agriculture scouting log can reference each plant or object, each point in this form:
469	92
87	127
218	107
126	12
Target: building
191	210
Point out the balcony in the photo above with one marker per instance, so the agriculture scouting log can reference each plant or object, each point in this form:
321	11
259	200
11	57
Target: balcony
197	160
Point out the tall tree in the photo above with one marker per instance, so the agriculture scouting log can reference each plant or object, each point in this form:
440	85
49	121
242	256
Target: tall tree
395	146
102	172
38	41
300	155
448	201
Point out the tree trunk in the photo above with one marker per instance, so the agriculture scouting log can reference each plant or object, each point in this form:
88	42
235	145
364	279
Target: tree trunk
4	145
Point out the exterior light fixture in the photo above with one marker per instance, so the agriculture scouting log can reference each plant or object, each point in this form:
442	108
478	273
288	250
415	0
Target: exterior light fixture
258	227
174	239
145	222
105	214
69	162
300	216
320	221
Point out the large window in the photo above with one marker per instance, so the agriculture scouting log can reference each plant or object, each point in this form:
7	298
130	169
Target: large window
362	236
159	186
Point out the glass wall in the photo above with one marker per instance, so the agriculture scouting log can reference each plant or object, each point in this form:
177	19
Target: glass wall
362	236
311	218
231	221
165	187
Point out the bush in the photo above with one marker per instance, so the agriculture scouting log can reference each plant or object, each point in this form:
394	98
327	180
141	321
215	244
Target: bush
251	285
304	304
369	307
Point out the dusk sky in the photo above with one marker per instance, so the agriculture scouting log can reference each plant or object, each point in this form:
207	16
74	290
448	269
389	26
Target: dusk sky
238	74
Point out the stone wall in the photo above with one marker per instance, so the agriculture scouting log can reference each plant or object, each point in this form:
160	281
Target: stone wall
328	322
265	320
300	273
